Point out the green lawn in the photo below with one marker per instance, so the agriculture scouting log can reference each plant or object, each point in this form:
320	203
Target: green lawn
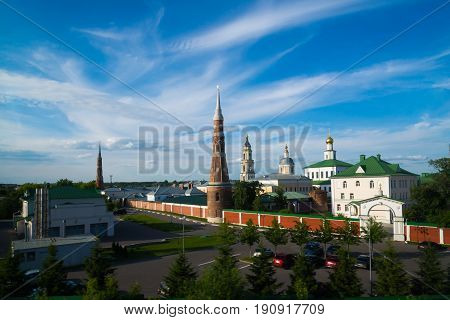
156	223
171	246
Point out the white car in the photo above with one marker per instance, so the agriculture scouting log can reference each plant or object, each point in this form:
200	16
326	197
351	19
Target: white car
259	251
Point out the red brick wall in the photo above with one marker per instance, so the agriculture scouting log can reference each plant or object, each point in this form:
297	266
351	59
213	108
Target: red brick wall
419	234
313	223
357	226
266	220
197	212
447	235
186	210
252	216
231	217
335	224
289	222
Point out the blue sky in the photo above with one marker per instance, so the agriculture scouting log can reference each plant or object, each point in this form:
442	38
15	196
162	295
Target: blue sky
266	55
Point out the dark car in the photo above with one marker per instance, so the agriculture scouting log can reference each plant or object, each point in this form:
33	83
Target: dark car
433	245
120	211
266	251
282	260
331	262
313	253
332	251
362	261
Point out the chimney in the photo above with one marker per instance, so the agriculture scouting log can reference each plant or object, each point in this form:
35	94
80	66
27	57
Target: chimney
379	157
362	157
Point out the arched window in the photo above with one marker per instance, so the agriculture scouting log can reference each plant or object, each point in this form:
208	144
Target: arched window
372	184
357	183
217	196
338	208
344	184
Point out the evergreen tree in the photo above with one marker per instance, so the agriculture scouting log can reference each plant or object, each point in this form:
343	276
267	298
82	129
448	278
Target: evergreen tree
431	278
348	234
11	278
98	266
109	291
181	278
391	279
245	193
276	236
344	282
52	277
303	282
258	204
250	235
135	292
262	277
300	234
280	199
324	234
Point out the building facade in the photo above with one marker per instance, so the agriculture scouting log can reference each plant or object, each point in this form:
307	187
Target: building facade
371	177
321	172
219	190
247	163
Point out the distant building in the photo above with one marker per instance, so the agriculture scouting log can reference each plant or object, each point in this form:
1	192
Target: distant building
285	178
161	193
64	211
321	172
99	178
219	193
371	177
247	163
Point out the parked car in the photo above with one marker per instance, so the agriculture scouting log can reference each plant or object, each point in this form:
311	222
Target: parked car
282	260
163	290
332	251
313	253
430	244
331	262
120	211
258	251
362	261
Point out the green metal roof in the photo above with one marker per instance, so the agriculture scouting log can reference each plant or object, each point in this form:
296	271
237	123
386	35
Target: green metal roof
373	166
197	200
69	192
290	195
328	163
320	182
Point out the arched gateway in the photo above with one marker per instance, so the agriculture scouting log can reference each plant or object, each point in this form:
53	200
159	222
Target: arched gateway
384	210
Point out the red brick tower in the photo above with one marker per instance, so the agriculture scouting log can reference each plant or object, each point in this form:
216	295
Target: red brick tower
219	187
99	179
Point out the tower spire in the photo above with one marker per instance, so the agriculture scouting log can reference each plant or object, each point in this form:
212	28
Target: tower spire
218	114
99	149
99	179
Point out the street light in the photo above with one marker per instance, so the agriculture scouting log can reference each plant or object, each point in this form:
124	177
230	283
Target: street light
184	218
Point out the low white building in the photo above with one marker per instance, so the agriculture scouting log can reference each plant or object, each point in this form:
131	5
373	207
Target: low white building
321	172
162	193
370	178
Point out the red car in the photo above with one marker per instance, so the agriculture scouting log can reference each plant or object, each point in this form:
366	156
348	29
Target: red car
282	260
331	262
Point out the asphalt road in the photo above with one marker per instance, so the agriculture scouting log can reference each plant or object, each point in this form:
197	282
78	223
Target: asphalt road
148	273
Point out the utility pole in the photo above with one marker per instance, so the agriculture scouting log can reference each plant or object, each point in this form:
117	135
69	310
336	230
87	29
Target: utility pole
184	218
370	260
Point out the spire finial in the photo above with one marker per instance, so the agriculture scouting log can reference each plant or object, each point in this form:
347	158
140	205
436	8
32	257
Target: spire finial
99	149
218	114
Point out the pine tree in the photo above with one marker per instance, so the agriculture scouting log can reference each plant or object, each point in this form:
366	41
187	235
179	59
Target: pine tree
324	234
431	278
108	292
11	278
98	266
303	282
53	275
391	279
348	234
300	234
181	278
344	282
250	235
262	277
276	236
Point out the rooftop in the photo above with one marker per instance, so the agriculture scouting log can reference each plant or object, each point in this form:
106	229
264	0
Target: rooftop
44	243
197	200
328	163
72	193
281	176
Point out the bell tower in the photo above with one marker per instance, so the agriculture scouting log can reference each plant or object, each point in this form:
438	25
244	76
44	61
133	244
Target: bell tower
219	190
247	163
329	153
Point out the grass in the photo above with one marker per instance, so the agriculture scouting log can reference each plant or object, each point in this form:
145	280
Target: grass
155	223
171	246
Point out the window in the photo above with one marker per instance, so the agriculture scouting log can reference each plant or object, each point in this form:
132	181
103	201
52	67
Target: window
344	184
352	196
317	175
372	184
217	196
53	232
31	256
326	174
74	230
321	174
357	183
342	196
338	207
346	208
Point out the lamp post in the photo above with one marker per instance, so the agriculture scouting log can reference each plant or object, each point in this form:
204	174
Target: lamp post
184	218
370	258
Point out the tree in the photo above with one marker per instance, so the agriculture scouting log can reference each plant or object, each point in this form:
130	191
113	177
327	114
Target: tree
431	276
221	281
344	282
348	234
392	280
280	199
300	234
181	278
245	193
52	277
276	236
250	235
64	183
108	292
258	204
98	267
262	277
303	282
11	278
135	292
324	234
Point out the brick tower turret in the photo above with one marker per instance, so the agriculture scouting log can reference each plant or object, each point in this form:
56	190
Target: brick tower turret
219	188
99	179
